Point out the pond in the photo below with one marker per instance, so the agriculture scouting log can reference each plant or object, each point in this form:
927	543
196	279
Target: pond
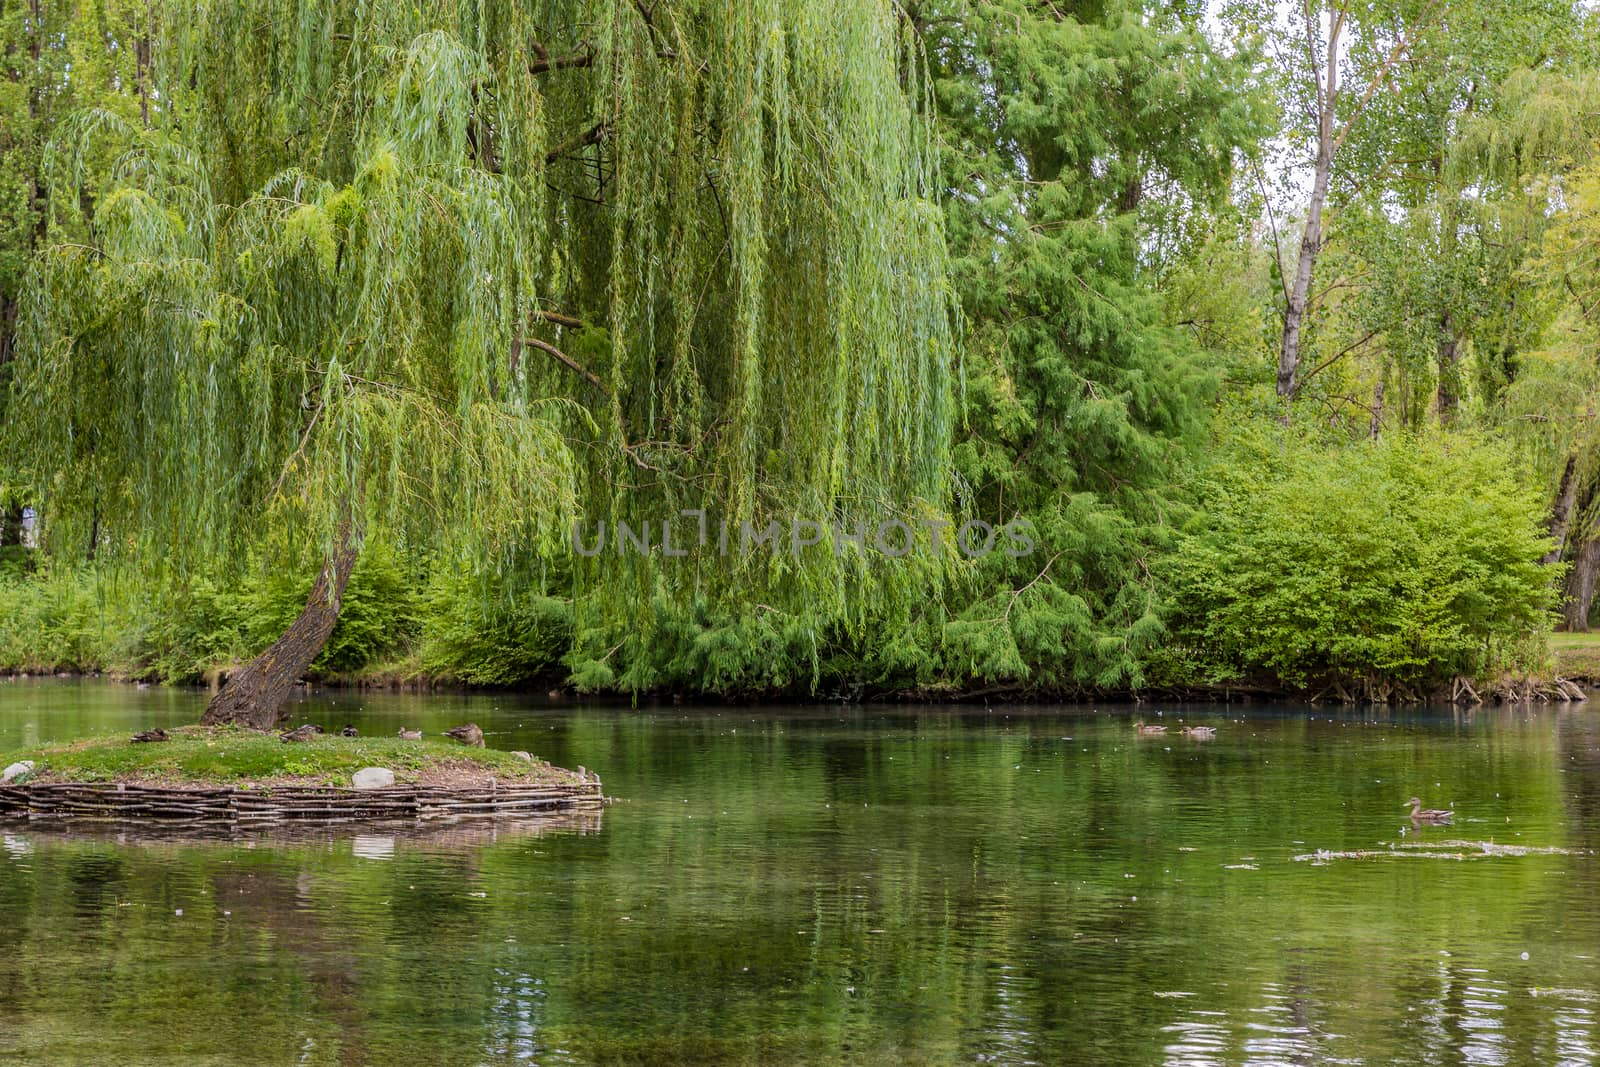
847	885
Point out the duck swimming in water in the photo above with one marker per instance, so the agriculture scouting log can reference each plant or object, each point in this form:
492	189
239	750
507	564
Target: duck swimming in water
1148	731
1200	733
1419	814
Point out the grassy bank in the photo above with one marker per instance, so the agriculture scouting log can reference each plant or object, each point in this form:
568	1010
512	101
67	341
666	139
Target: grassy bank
1577	656
230	756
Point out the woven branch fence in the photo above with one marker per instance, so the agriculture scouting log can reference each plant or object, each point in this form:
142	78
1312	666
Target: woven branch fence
225	804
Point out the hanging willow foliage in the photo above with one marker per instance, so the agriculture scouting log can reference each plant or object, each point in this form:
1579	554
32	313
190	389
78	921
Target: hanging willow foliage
471	269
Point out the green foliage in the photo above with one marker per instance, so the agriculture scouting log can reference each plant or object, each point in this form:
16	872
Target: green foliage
1413	559
457	272
483	634
1082	394
379	616
61	620
450	274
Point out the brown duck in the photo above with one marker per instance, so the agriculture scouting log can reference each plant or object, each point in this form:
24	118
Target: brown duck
1148	731
349	731
411	735
152	735
1420	814
303	733
1200	733
467	735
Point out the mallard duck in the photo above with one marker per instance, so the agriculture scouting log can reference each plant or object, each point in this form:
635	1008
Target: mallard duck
303	733
151	735
1200	733
349	731
411	735
467	735
1421	814
1148	731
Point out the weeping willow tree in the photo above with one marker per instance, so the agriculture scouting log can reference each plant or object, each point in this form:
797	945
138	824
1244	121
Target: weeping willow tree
464	271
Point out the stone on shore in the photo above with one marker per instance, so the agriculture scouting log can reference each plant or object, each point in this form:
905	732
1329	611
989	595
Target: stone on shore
373	778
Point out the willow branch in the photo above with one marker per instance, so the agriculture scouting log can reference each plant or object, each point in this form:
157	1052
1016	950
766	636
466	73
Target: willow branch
556	317
567	361
588	137
545	63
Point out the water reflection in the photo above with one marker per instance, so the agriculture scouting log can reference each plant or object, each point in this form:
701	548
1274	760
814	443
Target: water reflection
906	885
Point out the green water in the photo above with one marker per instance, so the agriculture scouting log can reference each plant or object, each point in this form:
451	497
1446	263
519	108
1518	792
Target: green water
881	885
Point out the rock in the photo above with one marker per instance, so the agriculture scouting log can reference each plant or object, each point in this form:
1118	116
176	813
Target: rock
373	778
15	771
526	757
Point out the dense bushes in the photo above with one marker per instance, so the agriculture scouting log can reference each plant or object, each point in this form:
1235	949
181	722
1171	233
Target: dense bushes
107	619
1406	560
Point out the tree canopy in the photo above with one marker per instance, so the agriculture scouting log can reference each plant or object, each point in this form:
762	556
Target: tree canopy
606	336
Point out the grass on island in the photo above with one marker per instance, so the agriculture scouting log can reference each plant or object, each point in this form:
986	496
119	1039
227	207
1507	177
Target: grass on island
200	755
1577	655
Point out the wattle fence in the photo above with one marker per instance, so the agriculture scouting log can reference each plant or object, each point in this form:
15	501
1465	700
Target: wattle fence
226	804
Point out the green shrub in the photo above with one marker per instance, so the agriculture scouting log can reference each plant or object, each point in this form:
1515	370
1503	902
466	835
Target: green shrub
481	634
61	619
1410	560
380	613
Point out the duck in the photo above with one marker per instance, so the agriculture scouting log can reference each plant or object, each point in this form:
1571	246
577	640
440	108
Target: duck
467	735
1200	733
1421	814
411	735
1148	731
349	731
151	735
303	733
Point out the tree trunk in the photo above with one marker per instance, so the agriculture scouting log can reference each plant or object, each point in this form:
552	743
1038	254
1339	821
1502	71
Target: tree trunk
1561	510
10	525
8	330
254	695
1580	586
1449	397
1375	425
1311	240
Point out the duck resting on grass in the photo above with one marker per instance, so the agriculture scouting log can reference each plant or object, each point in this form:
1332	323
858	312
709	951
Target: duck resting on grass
151	735
1148	731
349	731
467	735
1419	814
303	733
411	735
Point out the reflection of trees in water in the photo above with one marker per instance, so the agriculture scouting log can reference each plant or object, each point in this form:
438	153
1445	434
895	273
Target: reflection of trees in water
1578	737
271	947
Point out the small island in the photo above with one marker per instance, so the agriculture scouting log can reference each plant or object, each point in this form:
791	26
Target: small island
234	774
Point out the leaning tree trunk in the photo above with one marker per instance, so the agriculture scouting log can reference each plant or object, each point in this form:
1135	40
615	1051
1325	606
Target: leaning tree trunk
1561	510
254	694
